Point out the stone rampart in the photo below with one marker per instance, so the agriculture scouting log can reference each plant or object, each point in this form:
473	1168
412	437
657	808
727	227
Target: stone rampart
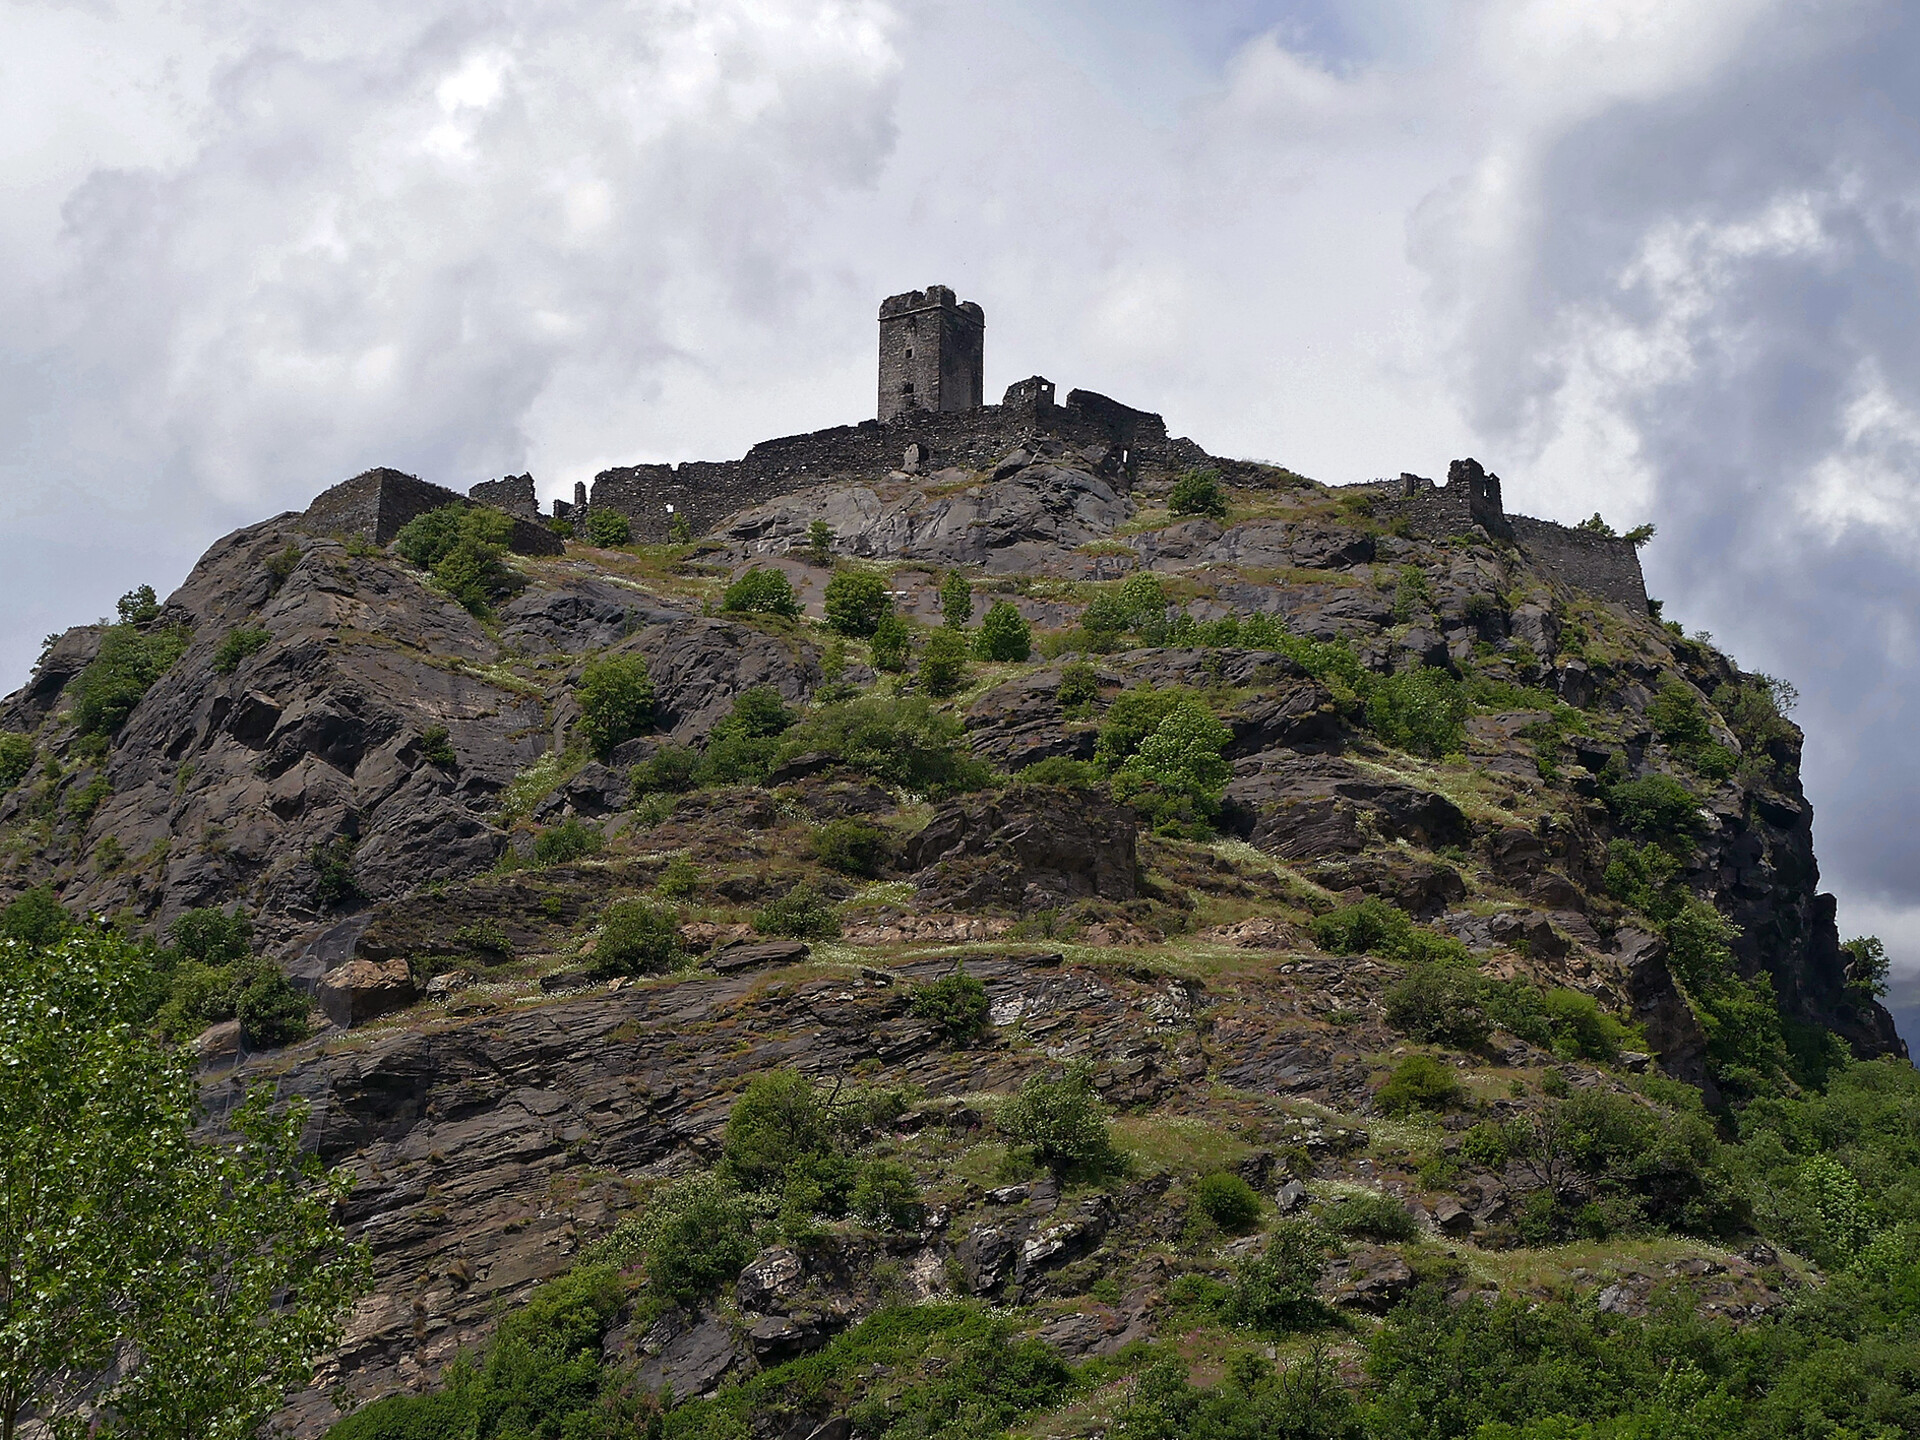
707	491
515	495
1601	564
374	505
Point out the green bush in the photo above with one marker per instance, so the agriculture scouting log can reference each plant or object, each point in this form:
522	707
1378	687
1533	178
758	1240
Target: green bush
887	1194
1063	1122
955	1004
904	742
1657	806
1274	1292
1375	927
271	1012
680	880
1423	711
956	601
943	663
616	700
1079	689
1176	775
35	917
853	847
608	528
1059	770
1134	714
764	592
118	678
1484	1145
566	842
637	939
237	645
777	1120
701	1246
855	601
1440	1003
436	747
1419	1082
484	940
803	913
742	744
892	642
461	545
1370	1215
669	770
212	936
820	542
1004	634
16	759
679	528
139	606
1102	623
1228	1201
1198	493
1303	1400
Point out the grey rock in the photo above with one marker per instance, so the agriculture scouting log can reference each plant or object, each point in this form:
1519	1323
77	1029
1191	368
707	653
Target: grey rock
1031	848
749	957
773	1277
693	1362
363	990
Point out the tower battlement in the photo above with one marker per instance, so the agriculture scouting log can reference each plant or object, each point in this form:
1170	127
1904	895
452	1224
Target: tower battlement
932	350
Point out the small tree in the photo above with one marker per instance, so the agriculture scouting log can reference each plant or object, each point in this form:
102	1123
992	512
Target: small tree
820	542
955	1004
855	602
943	664
616	700
637	939
1004	634
680	528
956	600
139	606
777	1121
608	528
215	1271
892	642
1063	1121
760	591
1198	493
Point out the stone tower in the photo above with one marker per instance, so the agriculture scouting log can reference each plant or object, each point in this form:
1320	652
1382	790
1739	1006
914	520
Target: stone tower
931	349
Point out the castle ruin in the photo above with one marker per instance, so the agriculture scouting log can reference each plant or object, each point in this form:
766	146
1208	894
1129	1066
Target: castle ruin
932	353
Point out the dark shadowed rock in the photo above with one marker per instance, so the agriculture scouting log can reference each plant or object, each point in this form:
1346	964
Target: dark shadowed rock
363	990
1302	806
752	957
1036	847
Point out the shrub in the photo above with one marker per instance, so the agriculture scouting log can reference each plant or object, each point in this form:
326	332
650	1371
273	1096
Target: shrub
670	769
1134	714
680	880
701	1244
1228	1201
461	545
855	601
1419	1082
281	565
608	528
1439	1003
1102	621
1423	711
1177	775
116	679
1657	806
892	642
566	842
16	759
616	701
1484	1145
820	542
1198	493
271	1012
803	913
955	1005
956	601
777	1120
1063	1121
1371	1215
35	917
1059	770
887	1194
1004	634
1377	928
139	606
1274	1292
902	741
213	937
763	592
741	745
943	664
237	645
637	939
1079	689
853	847
484	940
436	747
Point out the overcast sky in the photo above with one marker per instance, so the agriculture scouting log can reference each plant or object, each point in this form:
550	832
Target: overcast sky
1651	257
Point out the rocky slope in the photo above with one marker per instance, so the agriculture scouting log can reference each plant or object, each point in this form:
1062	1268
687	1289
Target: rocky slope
367	774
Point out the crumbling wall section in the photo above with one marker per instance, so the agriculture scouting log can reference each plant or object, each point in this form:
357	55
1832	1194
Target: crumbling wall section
1599	564
514	494
374	504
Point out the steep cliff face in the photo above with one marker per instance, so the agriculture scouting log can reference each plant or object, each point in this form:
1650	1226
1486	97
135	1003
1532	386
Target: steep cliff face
1437	723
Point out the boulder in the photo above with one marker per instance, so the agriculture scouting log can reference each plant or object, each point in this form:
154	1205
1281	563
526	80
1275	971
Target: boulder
749	957
1303	806
363	990
1032	849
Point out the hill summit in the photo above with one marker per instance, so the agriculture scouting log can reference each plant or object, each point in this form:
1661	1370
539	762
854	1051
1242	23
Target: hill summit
1132	863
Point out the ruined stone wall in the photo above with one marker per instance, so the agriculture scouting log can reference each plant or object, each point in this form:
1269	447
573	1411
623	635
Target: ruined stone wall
515	495
708	491
374	505
1604	566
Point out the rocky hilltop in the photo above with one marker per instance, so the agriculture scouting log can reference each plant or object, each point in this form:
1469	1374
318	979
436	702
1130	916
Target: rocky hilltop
1467	800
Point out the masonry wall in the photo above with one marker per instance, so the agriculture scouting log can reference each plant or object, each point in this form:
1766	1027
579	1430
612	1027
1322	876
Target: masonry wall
374	505
708	491
1609	568
515	495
